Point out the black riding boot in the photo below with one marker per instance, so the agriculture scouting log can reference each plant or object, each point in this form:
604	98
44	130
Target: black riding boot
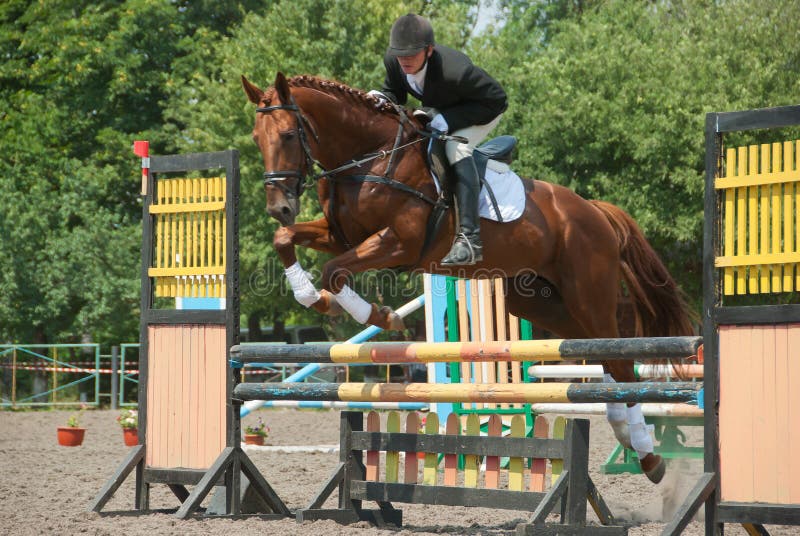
467	248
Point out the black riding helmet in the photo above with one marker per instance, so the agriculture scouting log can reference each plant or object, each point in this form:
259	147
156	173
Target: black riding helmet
410	34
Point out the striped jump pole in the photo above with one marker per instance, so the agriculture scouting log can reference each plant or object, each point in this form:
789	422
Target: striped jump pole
641	370
312	366
317	404
426	352
648	410
485	392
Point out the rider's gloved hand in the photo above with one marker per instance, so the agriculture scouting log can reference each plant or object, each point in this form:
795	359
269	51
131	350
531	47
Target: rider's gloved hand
438	123
378	96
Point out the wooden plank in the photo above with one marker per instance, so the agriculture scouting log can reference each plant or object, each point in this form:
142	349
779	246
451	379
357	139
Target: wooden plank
477	445
775	217
557	465
752	212
783	425
793	416
516	465
761	387
788	217
736	412
373	456
411	466
492	475
453	428
471	462
431	463
392	456
446	496
541	429
741	229
764	225
729	222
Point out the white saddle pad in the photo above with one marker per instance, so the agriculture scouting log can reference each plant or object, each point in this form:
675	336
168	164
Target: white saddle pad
508	191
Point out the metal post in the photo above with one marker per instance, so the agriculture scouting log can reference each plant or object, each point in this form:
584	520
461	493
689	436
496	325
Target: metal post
115	377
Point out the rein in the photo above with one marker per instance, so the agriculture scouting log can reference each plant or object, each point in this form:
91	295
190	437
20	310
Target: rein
276	178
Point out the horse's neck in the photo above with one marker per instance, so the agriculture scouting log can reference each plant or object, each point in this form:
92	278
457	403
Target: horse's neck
346	132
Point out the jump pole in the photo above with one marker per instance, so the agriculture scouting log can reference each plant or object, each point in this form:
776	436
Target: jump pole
313	367
424	352
485	392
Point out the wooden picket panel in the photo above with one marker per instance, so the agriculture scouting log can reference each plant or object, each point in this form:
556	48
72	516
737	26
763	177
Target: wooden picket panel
471	461
373	462
431	462
190	226
453	427
760	250
556	466
411	460
541	429
392	456
494	429
472	474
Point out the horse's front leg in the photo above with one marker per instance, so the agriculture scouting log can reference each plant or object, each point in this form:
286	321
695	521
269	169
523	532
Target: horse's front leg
315	235
381	250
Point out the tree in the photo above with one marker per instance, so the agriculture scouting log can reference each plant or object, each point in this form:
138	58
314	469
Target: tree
612	102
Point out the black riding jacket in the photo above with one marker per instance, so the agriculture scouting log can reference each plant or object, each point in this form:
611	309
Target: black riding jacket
462	92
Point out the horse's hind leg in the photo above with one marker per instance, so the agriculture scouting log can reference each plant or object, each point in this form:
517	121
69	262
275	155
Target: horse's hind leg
590	295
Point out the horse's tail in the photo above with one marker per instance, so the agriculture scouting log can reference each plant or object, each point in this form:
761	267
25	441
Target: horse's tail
660	305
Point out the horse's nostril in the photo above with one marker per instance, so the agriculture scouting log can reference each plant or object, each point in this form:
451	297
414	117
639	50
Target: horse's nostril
286	211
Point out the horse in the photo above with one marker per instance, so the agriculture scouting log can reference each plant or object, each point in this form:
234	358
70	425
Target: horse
377	193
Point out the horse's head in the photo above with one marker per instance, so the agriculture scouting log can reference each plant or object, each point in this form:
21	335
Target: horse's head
280	133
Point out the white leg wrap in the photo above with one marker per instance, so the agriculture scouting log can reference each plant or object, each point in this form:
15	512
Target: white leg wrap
641	441
617	417
354	304
303	288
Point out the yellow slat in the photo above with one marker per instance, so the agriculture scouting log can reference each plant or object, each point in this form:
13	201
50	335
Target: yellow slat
741	221
775	218
729	223
788	215
185	271
752	212
764	225
757	260
185	208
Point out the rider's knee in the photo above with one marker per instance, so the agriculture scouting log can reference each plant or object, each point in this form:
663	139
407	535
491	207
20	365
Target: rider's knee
457	151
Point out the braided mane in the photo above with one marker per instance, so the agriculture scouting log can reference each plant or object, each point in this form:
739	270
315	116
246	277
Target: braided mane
332	87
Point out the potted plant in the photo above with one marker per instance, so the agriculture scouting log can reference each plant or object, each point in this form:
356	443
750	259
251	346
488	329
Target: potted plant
254	434
71	435
129	421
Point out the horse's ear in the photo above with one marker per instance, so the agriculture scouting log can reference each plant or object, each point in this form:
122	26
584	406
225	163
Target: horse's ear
252	91
282	87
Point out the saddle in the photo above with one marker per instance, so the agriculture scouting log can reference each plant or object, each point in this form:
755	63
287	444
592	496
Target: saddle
499	149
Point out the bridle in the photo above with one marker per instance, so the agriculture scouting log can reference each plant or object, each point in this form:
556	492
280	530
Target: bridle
278	178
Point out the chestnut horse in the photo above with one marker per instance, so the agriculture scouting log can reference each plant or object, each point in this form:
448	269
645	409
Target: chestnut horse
579	251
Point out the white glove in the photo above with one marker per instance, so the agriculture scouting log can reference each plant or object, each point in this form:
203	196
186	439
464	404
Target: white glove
380	97
439	123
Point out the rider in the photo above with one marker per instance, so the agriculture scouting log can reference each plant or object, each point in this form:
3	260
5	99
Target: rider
467	102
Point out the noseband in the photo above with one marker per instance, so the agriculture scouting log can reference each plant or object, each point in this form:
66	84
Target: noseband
277	178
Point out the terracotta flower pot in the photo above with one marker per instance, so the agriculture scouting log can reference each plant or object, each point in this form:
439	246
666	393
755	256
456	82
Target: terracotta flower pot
253	439
130	436
69	436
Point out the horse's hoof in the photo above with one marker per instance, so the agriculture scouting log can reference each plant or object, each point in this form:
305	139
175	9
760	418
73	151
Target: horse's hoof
654	467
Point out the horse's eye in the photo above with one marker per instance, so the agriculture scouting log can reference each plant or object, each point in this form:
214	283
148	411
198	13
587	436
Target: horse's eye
288	135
